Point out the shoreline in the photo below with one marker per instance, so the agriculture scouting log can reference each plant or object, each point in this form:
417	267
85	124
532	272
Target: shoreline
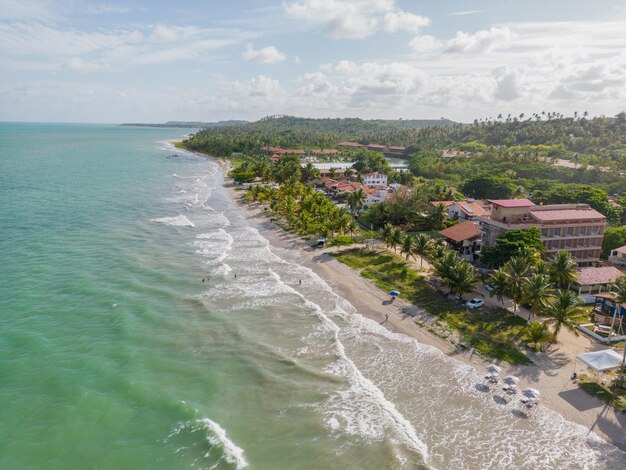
551	376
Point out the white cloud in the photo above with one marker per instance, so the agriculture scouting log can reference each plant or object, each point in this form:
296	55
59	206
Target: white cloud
481	41
466	12
106	9
507	84
266	55
355	19
425	44
109	49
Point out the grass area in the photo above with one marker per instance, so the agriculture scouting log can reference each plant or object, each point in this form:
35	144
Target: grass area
489	331
613	396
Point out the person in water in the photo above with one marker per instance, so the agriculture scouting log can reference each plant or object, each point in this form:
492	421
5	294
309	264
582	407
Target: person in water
300	283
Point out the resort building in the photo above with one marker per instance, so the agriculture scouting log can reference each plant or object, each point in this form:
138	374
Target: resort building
618	256
353	145
464	238
464	210
374	178
375	195
596	280
377	147
576	228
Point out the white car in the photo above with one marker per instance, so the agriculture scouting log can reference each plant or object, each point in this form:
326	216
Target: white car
475	303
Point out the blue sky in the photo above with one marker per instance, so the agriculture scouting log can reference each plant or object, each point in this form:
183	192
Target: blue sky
152	61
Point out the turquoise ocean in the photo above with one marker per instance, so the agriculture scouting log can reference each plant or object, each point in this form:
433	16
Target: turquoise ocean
115	355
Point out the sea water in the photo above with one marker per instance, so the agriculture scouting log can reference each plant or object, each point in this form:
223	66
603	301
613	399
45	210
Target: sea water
115	354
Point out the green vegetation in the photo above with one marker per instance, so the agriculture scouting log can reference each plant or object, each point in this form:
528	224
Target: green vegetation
304	210
614	237
614	396
512	243
488	331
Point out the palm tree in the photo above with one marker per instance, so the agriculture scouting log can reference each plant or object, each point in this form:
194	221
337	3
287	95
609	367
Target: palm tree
563	311
464	279
500	283
386	232
516	270
537	291
562	269
407	246
356	200
396	238
421	245
537	333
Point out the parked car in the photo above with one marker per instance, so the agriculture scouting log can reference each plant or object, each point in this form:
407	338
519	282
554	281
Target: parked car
490	287
475	303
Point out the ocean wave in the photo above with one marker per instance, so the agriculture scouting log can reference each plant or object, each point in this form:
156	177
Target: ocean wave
178	221
221	447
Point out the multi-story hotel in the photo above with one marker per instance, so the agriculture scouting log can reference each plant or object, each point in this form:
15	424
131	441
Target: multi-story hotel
576	228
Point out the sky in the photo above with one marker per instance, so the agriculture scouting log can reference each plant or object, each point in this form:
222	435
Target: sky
154	61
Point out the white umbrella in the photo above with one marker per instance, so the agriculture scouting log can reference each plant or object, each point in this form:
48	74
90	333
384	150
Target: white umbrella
493	369
531	393
511	380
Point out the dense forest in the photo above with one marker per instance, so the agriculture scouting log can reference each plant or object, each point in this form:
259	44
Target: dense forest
295	132
547	157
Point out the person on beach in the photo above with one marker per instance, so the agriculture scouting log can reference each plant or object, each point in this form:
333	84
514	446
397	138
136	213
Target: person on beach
386	317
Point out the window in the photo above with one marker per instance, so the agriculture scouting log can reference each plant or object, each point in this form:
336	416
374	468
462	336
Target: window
595	229
570	231
557	232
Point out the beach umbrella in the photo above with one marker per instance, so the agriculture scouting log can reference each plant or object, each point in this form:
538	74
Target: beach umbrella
394	293
493	369
531	393
511	380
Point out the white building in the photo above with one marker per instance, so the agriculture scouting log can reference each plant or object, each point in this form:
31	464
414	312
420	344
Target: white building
618	256
370	179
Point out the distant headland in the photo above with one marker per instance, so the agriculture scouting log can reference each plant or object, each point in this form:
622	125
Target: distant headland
188	124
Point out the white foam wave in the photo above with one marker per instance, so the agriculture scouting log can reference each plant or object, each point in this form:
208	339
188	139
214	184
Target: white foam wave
217	439
233	454
178	221
361	389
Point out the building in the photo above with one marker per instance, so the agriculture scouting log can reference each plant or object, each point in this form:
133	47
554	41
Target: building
618	256
374	179
464	210
464	238
576	228
596	280
377	147
375	195
354	145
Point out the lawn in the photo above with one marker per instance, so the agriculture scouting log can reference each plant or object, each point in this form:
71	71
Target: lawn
613	396
489	331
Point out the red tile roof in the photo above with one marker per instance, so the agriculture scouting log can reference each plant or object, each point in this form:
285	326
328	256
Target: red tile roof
349	144
592	276
463	231
566	214
621	250
471	209
512	202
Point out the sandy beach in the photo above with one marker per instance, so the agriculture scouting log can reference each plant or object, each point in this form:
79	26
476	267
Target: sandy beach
551	373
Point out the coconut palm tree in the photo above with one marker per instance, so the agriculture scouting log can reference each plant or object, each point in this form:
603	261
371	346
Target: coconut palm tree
564	310
386	232
500	283
562	269
464	278
356	200
422	244
537	333
537	290
396	238
407	246
516	270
